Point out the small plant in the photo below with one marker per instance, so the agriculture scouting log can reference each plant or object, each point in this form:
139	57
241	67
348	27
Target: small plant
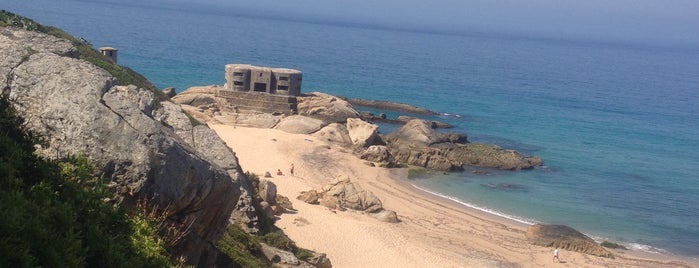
242	247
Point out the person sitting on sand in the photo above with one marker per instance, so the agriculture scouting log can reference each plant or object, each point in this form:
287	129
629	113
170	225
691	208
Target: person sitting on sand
279	172
555	255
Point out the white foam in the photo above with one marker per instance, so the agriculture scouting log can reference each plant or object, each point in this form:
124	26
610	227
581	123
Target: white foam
487	210
646	248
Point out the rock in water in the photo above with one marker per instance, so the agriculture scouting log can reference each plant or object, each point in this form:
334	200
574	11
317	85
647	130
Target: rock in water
551	235
417	143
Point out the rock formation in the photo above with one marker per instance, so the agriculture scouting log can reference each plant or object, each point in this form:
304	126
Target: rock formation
327	108
362	134
550	235
417	143
343	193
145	147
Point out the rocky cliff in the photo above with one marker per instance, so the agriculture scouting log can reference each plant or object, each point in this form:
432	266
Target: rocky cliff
147	148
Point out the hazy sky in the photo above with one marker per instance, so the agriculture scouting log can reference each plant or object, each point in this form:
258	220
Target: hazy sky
657	21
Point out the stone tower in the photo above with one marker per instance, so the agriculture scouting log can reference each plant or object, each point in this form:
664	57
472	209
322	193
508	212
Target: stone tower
110	52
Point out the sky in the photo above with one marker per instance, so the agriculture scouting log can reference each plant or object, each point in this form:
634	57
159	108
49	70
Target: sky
656	22
653	21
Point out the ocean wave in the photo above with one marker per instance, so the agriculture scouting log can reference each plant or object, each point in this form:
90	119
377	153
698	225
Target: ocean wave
486	210
646	248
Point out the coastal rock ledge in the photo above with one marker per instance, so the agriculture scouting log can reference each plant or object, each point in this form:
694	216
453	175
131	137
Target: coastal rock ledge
552	235
417	143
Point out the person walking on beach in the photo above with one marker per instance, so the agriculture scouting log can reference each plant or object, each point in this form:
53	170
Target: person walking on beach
555	255
291	171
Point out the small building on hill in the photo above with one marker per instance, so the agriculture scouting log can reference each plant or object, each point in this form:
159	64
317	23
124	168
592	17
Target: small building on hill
264	89
110	52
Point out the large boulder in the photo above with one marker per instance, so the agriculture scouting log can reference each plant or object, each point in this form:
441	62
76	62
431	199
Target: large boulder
267	191
417	143
561	236
351	195
76	107
198	96
362	133
327	108
386	216
299	124
335	133
376	153
310	197
279	256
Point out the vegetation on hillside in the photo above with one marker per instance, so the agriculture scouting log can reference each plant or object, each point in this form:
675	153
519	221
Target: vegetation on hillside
57	214
124	75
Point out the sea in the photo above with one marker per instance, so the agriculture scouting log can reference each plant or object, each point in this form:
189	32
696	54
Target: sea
617	124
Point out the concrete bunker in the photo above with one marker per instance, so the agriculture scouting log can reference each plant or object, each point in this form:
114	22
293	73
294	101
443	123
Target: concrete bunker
263	89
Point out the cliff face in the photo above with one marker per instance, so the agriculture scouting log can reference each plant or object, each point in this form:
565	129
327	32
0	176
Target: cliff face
146	148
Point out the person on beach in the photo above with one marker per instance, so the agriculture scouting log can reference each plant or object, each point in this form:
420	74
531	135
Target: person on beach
291	171
555	255
279	172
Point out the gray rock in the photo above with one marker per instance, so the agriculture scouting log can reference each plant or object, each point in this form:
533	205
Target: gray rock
198	96
386	216
75	106
169	92
267	210
327	108
267	191
351	195
320	260
335	133
361	133
17	45
310	197
376	153
299	124
417	143
279	256
552	235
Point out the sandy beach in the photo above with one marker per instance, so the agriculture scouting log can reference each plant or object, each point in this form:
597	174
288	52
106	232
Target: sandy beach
432	232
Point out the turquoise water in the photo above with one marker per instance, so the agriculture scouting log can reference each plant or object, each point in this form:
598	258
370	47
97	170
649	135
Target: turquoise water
616	124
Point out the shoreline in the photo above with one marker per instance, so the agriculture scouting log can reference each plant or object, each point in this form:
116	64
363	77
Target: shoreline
434	230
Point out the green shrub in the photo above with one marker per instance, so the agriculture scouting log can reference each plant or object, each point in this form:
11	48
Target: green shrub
54	213
242	248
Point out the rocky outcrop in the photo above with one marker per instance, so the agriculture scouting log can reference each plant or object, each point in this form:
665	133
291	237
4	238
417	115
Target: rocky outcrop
279	256
344	194
299	124
561	236
336	133
327	108
310	197
387	105
417	143
376	153
129	135
351	195
361	133
18	45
